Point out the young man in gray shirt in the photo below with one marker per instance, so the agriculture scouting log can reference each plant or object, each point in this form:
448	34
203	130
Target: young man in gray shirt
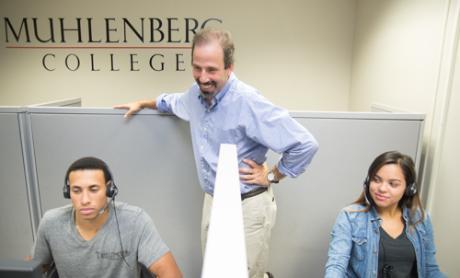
94	237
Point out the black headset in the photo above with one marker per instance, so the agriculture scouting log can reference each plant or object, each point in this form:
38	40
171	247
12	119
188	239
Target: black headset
411	190
111	188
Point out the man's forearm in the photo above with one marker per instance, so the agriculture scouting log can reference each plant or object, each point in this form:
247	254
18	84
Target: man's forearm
152	104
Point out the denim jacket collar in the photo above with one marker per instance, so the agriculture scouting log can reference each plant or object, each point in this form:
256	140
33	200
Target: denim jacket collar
373	214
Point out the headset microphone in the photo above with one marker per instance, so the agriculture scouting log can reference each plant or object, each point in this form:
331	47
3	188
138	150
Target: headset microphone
101	211
113	192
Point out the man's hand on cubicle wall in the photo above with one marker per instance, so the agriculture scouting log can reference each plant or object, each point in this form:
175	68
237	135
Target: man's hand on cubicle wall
136	106
132	107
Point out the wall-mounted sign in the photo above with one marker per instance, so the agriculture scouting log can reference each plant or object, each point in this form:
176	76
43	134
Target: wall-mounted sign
105	44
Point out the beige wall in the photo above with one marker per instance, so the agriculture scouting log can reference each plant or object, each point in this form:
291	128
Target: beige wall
396	54
297	53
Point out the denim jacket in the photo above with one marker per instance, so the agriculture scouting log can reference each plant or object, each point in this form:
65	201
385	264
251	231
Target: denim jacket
354	247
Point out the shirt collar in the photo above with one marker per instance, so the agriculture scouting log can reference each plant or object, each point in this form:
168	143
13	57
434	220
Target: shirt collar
220	95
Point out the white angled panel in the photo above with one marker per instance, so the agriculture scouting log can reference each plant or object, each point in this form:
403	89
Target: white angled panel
225	254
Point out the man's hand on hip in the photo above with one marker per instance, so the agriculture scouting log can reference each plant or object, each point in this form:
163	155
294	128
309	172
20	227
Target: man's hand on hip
255	173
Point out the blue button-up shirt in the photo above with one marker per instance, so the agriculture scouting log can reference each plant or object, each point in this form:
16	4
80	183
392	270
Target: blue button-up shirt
354	246
239	115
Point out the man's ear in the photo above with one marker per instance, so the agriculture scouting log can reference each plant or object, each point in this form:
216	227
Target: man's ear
230	69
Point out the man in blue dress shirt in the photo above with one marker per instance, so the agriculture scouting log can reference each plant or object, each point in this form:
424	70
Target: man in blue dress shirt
222	109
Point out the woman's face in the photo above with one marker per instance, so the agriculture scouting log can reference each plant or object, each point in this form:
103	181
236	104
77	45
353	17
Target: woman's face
388	186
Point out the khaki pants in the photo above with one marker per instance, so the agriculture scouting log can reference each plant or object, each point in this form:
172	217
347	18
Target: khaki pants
259	216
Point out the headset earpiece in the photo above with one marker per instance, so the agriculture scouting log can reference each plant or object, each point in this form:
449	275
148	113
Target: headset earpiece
366	182
411	190
66	189
111	189
367	195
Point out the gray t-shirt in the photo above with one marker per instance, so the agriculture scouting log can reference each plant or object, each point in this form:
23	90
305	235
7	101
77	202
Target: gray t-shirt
59	240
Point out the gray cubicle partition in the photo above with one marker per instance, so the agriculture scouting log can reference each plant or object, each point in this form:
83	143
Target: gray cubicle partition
16	235
152	162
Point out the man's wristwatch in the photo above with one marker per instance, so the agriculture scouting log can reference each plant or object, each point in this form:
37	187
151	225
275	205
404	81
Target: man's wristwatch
271	177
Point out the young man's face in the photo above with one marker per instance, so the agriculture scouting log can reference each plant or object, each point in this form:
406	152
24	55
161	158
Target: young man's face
208	68
88	193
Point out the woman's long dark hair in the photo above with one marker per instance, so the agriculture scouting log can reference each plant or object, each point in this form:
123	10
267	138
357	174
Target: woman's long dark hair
410	201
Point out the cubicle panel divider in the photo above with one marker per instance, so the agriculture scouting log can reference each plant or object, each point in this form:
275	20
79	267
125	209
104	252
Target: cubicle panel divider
151	158
16	234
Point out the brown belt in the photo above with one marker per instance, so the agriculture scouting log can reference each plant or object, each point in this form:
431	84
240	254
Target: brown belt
253	193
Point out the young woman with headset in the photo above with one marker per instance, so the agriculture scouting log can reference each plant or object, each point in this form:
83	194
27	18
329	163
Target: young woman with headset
385	232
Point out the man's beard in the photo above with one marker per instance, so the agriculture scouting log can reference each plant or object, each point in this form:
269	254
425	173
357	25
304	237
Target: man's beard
207	94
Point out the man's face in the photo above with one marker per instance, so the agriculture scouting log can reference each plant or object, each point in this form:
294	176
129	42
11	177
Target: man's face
208	68
87	192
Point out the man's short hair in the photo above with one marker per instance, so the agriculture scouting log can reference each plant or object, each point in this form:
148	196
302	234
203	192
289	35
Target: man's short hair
224	38
89	163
